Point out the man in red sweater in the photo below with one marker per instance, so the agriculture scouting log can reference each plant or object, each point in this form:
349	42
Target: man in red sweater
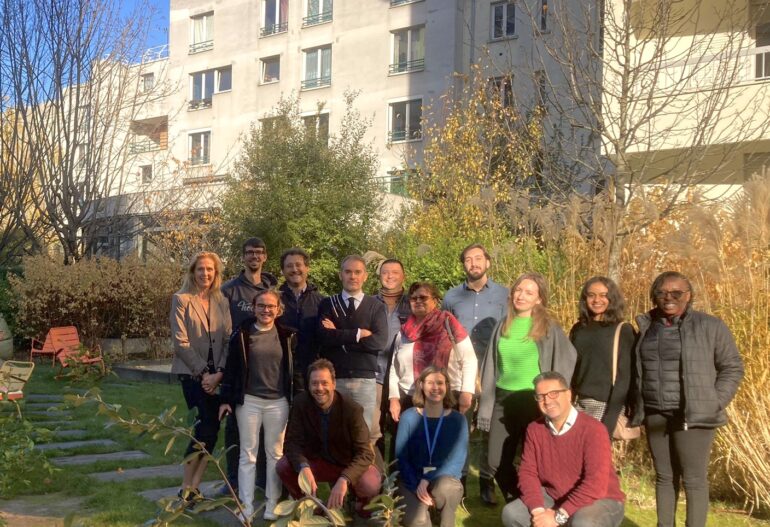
566	475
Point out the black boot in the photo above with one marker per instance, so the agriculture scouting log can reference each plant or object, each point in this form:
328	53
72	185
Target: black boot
487	491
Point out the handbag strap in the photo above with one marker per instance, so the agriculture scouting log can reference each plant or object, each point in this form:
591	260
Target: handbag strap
615	346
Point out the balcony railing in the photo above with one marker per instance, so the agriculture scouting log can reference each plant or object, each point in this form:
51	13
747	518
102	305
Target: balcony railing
155	53
394	3
395	184
197	47
396	136
146	145
407	66
199	104
274	29
320	82
200	160
314	20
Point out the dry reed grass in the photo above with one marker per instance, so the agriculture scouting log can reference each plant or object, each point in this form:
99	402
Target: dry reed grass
725	251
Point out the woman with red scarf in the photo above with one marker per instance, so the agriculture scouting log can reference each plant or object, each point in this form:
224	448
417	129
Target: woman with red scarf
431	337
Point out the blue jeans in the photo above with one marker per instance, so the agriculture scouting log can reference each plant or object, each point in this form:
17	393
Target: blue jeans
601	513
362	391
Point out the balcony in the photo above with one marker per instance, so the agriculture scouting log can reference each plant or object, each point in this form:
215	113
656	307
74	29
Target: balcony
395	3
314	20
198	47
199	104
407	66
200	160
401	136
146	145
320	82
274	29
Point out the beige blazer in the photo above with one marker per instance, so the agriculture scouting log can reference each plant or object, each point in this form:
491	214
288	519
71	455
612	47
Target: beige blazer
190	336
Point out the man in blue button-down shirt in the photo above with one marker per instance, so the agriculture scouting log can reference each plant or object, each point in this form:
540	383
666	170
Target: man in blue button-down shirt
478	303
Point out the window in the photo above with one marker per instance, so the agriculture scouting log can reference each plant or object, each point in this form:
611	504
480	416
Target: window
276	16
408	50
318	68
146	173
503	20
148	82
318	124
540	94
202	38
318	12
200	148
224	79
202	86
543	15
756	165
763	58
396	182
503	89
271	69
405	120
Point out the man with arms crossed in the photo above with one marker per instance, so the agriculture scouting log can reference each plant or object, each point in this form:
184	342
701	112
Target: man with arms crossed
566	475
353	330
478	303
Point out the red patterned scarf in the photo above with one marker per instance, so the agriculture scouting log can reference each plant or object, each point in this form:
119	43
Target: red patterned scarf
432	345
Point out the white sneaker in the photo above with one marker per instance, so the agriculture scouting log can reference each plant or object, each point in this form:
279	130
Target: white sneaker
269	514
243	516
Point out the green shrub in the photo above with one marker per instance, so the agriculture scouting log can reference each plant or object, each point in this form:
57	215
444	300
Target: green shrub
102	297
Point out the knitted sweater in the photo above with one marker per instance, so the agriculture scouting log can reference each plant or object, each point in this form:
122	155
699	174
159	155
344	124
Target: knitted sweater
575	468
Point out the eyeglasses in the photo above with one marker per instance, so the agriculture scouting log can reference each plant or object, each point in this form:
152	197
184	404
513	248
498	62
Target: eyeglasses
553	394
254	252
676	295
267	307
420	298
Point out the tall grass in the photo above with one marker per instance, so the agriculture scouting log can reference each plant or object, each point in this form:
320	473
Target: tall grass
725	251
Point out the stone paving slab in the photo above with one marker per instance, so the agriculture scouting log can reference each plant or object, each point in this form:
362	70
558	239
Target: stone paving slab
44	397
69	434
45	510
42	405
66	445
85	459
53	425
161	471
53	414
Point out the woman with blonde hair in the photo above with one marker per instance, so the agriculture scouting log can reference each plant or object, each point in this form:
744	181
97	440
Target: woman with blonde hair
524	344
200	328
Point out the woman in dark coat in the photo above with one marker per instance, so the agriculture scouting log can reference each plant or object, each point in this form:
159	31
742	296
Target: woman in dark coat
601	312
687	371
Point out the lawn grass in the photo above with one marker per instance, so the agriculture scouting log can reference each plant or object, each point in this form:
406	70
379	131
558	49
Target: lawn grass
118	504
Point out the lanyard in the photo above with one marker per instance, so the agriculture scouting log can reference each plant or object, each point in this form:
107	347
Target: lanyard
432	444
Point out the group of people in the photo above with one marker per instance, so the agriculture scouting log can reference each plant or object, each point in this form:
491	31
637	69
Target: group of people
314	381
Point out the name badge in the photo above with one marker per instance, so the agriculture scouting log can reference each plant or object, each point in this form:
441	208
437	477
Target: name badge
428	470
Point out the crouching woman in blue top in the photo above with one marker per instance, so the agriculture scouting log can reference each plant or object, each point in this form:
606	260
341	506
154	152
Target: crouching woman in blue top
431	447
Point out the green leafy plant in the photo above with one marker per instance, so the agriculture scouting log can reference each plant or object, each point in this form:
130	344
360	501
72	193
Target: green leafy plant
304	511
19	461
81	372
387	507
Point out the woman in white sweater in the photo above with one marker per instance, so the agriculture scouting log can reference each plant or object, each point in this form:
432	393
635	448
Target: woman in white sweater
431	337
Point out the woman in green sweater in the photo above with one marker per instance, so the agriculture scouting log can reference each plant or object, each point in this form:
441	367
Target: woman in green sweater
527	342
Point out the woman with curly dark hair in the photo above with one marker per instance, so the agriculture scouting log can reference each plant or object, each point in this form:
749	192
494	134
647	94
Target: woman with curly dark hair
601	380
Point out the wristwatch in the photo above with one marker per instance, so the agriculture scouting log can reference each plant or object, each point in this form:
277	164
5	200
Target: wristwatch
561	517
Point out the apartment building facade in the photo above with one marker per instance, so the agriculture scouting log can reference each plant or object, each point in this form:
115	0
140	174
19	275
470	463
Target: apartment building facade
229	62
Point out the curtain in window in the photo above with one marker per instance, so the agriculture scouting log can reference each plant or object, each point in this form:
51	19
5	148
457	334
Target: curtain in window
311	64
199	29
400	47
326	63
270	14
283	12
418	44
